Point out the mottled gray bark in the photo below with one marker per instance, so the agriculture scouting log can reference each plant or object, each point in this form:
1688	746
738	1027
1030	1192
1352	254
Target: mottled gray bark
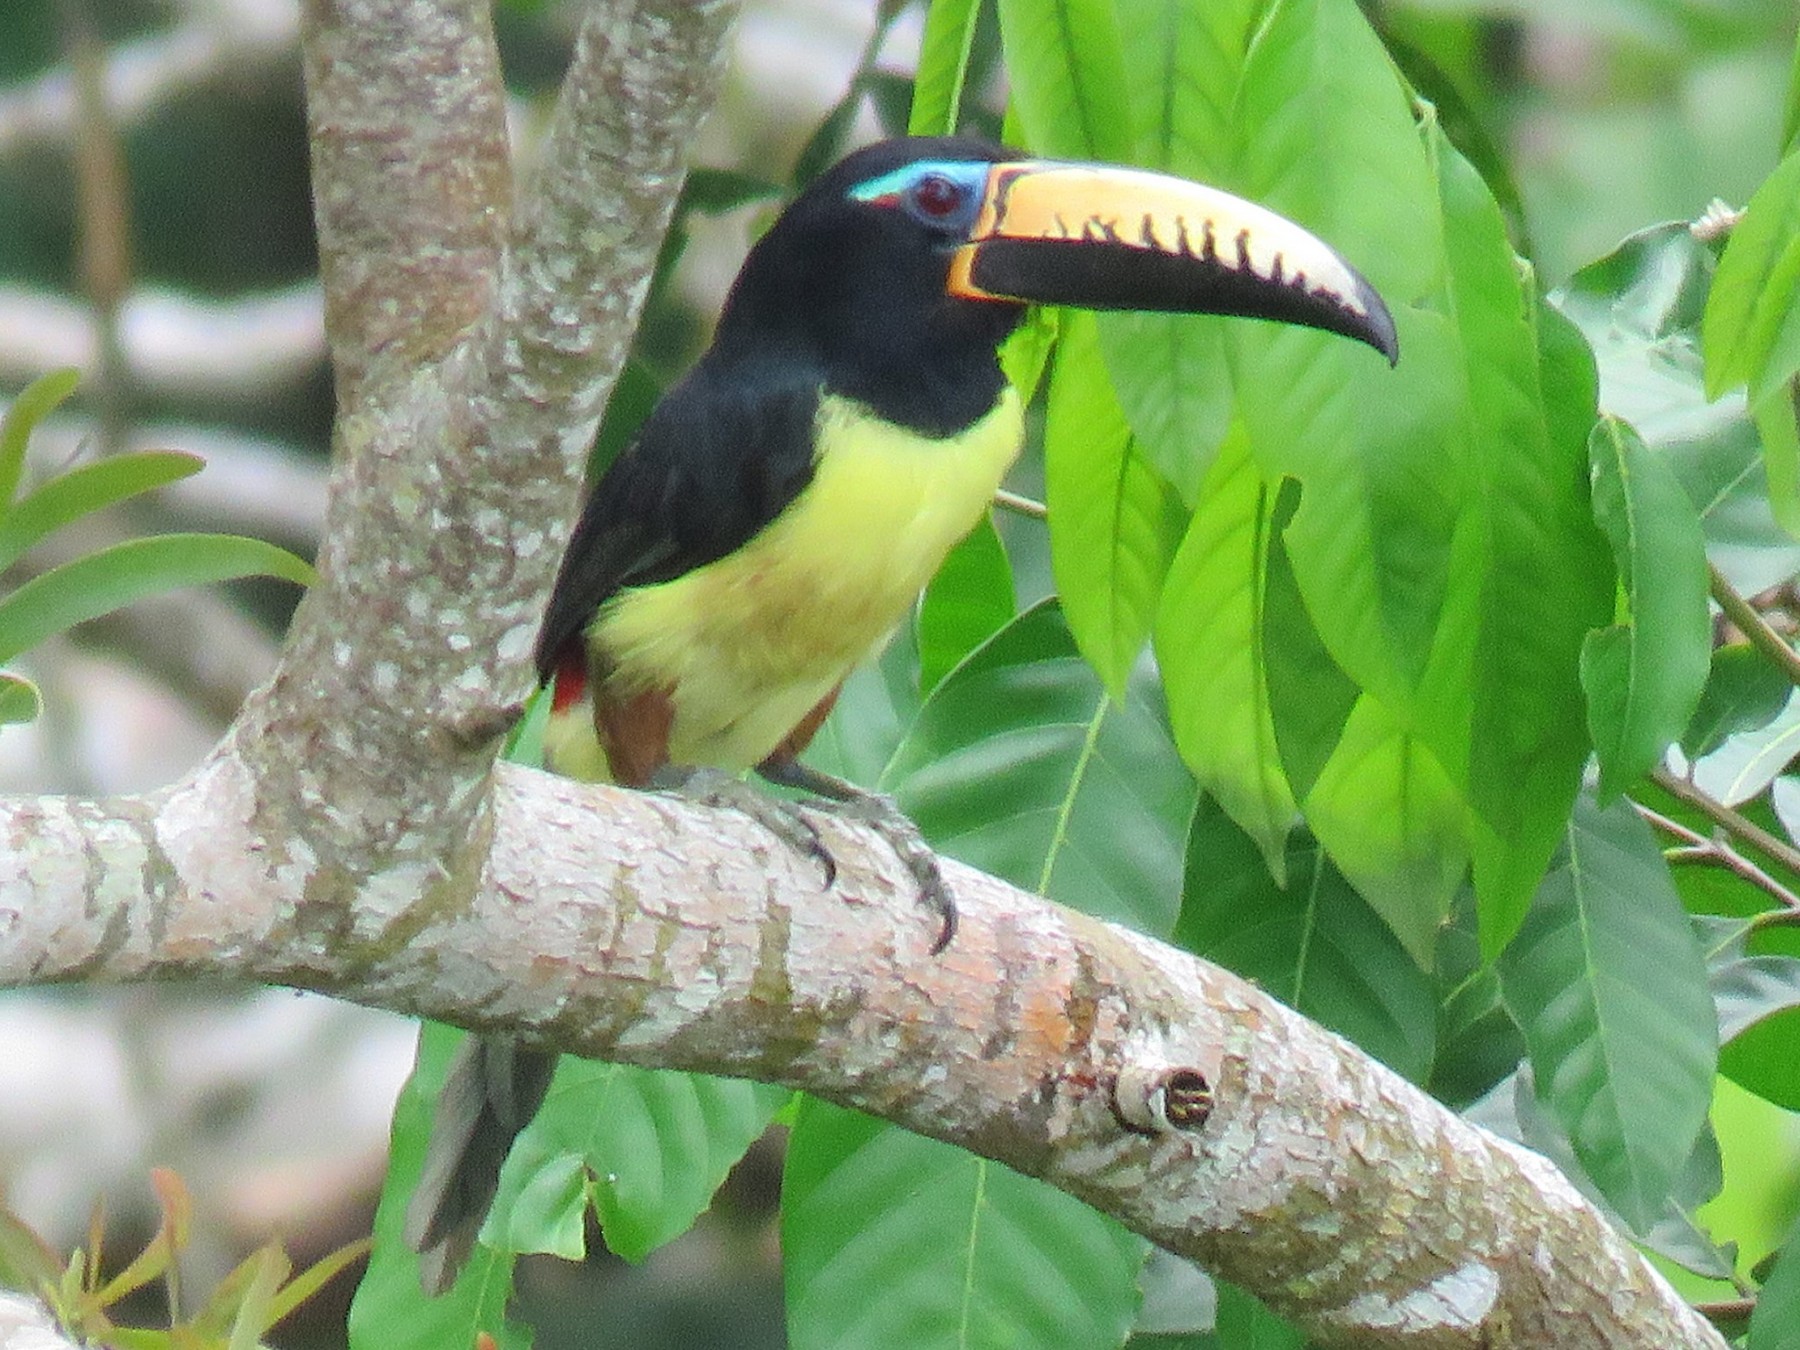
352	834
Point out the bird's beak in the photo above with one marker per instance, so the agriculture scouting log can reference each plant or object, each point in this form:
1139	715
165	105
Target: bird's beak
1101	237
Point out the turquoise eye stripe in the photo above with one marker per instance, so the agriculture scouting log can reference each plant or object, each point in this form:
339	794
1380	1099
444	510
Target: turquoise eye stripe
970	174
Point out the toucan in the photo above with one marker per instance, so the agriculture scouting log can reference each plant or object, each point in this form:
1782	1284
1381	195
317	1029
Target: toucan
782	507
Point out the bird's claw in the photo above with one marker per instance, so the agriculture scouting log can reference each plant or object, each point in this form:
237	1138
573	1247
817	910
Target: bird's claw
781	818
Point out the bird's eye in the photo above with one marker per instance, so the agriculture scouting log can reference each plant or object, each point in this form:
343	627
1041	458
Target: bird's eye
937	196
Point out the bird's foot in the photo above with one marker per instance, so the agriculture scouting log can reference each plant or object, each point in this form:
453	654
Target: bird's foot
880	813
783	819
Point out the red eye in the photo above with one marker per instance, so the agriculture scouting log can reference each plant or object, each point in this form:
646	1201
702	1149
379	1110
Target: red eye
936	195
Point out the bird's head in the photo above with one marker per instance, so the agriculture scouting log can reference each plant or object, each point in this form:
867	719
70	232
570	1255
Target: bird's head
909	253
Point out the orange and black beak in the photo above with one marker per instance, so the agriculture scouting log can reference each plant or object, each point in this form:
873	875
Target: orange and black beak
1103	237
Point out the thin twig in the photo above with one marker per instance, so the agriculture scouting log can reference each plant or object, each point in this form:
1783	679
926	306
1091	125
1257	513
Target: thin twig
1732	822
1727	1310
1024	506
1753	626
1697	848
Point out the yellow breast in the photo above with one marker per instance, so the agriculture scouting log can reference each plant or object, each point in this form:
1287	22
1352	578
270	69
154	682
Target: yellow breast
750	643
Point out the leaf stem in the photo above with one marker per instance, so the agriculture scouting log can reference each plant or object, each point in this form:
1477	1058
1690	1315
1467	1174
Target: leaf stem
1727	1310
1732	822
1697	848
1025	506
1753	626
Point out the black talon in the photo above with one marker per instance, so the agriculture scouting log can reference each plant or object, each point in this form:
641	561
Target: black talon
878	811
783	819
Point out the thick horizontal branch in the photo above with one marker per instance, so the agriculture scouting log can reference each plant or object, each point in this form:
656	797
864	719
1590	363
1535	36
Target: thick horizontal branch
1154	1086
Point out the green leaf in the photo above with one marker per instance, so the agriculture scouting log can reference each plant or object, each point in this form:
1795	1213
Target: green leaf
391	1311
1643	676
1068	77
1758	999
1245	1324
1744	691
35	402
1393	822
102	582
1315	944
1206	631
1608	983
1021	764
1751	332
20	700
969	600
943	66
1641	307
27	1263
874	709
890	1239
1114	522
1774	414
1746	763
1479	1044
1775	1325
1172	379
87	489
1310	697
656	1144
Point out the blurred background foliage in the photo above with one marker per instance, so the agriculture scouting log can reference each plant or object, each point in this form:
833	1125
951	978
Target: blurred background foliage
155	231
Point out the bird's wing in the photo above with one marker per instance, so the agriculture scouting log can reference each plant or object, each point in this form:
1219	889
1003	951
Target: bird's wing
719	458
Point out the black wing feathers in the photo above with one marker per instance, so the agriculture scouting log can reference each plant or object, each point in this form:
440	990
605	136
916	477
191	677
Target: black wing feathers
719	458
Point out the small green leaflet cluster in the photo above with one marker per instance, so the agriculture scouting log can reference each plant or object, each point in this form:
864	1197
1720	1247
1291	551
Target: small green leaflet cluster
86	588
1392	617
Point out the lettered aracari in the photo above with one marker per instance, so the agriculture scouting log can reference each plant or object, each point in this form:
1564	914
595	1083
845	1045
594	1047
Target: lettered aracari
784	504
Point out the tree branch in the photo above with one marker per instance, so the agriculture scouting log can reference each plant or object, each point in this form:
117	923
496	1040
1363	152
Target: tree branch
641	929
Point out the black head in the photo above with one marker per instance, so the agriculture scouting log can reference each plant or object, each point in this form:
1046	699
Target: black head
861	286
899	271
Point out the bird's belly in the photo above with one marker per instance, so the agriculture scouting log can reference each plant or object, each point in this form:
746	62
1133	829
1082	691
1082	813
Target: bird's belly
749	644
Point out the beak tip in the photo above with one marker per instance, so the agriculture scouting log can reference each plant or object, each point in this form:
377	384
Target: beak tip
1378	328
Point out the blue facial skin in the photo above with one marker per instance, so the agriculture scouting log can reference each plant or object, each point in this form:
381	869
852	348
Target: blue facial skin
920	191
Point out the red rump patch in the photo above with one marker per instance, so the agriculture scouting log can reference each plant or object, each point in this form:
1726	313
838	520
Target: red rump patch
569	684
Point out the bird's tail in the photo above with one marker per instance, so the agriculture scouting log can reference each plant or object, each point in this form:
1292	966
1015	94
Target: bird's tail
493	1090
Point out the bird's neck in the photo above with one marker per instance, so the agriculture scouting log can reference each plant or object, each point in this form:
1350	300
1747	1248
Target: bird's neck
935	373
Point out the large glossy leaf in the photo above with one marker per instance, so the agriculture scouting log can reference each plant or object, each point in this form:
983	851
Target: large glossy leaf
1775	1325
890	1239
101	582
1640	307
1068	77
943	64
1021	764
1206	645
81	491
1751	332
1115	522
1758	999
391	1311
1394	823
1744	691
650	1146
1478	1042
874	710
1608	982
1315	944
968	601
1748	761
1643	675
35	402
1310	697
1546	573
